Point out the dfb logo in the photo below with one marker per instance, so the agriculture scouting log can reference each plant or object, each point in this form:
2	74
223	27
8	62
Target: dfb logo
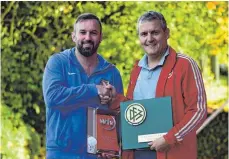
135	114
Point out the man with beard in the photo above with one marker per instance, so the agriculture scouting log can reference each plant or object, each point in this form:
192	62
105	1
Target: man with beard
74	80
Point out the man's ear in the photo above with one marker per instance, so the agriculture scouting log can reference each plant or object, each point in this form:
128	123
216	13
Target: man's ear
101	38
167	33
73	37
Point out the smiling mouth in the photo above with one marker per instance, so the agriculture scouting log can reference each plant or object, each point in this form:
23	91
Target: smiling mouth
151	45
87	45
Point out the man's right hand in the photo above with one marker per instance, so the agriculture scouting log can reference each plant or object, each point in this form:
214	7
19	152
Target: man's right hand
106	92
102	90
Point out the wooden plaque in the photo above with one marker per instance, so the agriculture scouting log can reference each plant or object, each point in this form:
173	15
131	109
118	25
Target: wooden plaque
102	132
107	139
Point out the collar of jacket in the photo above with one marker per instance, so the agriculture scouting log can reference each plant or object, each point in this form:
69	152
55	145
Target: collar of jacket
166	69
102	63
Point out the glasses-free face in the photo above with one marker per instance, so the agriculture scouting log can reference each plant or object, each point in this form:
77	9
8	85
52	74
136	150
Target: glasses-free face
153	38
87	37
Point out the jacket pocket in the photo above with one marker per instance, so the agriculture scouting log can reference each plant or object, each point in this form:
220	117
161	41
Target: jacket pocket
58	130
64	134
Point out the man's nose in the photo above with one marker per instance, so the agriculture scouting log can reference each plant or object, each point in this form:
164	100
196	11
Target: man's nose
149	37
88	36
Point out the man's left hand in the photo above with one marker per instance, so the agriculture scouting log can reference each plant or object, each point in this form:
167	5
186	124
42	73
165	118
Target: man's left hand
159	145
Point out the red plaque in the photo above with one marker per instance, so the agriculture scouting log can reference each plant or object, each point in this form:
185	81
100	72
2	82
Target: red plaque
102	132
107	133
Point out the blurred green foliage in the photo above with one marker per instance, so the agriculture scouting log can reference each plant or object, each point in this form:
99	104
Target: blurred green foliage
19	140
32	31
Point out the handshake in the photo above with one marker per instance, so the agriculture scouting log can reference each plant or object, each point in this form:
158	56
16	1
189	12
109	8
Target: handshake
107	92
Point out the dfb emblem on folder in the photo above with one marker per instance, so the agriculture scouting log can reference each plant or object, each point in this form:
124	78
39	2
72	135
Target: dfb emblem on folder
144	120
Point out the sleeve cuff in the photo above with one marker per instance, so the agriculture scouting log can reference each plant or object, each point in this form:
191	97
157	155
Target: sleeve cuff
116	103
170	139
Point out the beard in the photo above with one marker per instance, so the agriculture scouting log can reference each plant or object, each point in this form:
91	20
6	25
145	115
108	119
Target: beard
87	51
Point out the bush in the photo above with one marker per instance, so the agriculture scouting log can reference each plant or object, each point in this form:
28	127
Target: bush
19	140
213	140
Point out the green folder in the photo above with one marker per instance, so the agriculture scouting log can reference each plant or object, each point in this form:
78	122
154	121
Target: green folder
144	120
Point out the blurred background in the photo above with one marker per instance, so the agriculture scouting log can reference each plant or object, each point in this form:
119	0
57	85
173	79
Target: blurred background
32	31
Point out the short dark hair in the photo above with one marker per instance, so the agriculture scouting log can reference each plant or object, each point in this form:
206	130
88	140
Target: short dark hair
152	15
88	16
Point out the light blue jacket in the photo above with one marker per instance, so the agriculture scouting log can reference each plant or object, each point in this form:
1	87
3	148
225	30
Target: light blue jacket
68	91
